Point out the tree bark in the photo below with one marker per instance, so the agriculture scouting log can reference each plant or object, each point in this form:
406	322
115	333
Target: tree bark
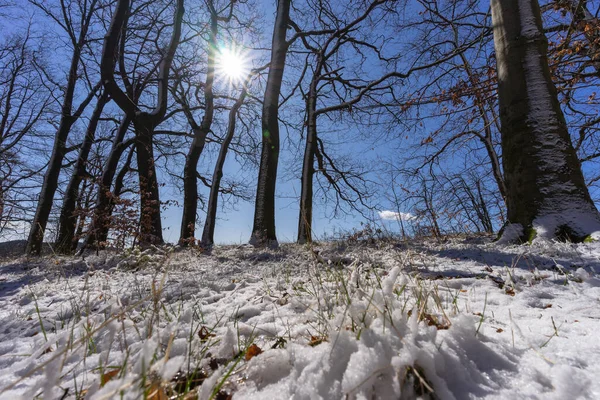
66	242
263	231
150	221
546	192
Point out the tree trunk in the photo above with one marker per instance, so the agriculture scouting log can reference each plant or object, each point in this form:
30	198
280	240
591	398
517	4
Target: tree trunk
98	231
66	242
1	204
190	179
114	195
546	192
208	232
308	167
144	122
68	117
44	206
190	188
263	231
150	221
85	201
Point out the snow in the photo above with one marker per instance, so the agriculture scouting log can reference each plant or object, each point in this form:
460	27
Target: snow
512	234
465	317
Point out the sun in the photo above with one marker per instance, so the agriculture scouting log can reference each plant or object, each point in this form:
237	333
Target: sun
232	64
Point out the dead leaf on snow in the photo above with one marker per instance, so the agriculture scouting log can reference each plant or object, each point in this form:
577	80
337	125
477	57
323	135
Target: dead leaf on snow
252	351
107	376
205	334
315	341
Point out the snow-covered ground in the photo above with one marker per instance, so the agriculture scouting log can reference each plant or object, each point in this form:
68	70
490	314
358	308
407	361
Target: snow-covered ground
455	320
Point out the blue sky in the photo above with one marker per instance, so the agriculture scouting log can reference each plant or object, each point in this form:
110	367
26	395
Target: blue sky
234	225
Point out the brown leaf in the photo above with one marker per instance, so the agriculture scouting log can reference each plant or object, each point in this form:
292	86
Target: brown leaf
107	376
499	330
429	139
509	291
205	334
315	341
433	321
252	351
548	305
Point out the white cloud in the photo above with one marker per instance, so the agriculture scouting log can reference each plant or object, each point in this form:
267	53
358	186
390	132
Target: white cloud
395	216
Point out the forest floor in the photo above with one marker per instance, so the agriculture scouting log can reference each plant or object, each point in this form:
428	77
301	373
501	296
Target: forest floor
454	319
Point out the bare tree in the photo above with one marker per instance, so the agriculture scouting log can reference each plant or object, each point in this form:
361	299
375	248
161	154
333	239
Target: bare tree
144	122
76	21
263	230
546	191
212	204
67	241
98	230
323	74
24	103
200	131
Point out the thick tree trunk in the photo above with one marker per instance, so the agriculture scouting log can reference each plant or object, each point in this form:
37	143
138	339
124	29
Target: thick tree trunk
263	231
546	192
308	167
208	232
98	231
66	242
150	221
